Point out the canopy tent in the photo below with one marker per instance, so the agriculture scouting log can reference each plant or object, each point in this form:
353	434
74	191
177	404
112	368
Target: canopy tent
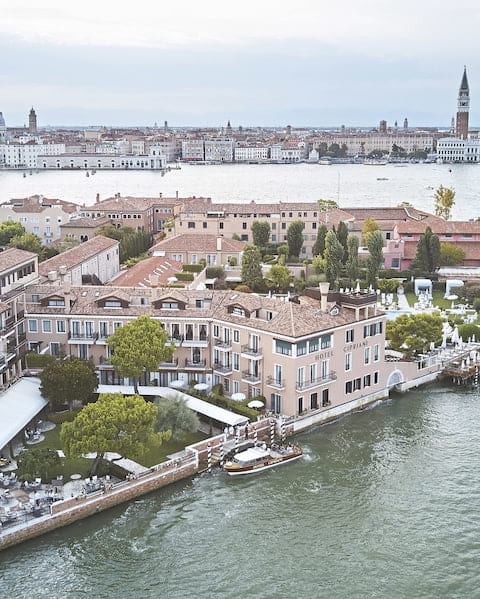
18	406
197	405
423	285
452	284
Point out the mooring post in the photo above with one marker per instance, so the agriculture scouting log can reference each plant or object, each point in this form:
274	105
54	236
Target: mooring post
209	457
272	432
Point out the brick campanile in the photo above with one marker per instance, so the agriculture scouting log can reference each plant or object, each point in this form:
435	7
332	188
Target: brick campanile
461	129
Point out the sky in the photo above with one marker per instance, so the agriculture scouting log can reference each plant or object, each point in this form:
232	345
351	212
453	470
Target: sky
262	62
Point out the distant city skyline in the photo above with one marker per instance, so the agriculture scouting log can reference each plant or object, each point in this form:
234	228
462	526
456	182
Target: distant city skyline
308	64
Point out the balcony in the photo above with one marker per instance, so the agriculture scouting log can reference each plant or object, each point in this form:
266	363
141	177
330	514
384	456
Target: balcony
275	382
196	365
104	362
172	365
102	338
223	345
251	377
177	340
255	353
5	358
322	380
222	368
201	341
82	338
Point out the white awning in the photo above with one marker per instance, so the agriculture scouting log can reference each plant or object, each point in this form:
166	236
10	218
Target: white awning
18	406
197	405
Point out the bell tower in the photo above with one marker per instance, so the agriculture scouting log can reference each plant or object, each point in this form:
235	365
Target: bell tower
32	122
463	105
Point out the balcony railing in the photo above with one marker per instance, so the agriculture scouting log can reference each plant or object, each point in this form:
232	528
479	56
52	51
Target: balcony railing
275	382
176	339
251	377
322	380
173	364
197	364
222	344
222	368
75	337
191	341
254	352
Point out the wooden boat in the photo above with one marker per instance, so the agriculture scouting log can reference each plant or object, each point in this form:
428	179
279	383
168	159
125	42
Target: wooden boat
260	458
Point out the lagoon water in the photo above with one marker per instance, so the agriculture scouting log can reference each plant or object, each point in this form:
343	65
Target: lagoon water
350	184
385	503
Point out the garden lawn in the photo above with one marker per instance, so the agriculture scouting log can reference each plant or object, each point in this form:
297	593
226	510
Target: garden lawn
156	455
438	300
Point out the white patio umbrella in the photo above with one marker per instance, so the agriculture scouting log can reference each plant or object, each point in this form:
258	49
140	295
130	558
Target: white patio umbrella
357	288
452	297
239	397
255	403
177	384
201	386
455	335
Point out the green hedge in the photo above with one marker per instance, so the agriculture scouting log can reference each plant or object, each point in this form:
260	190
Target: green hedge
34	360
184	276
215	272
218	399
193	267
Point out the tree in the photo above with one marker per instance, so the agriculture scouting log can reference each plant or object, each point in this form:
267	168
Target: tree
451	254
427	257
333	255
278	278
139	347
261	233
70	381
326	205
375	257
342	234
444	202
319	264
352	260
251	267
369	226
174	415
37	462
132	243
28	242
295	238
9	229
319	245
114	423
413	333
236	236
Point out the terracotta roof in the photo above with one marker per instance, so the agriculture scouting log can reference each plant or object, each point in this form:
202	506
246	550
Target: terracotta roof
38	203
86	222
287	318
439	226
151	272
12	257
78	254
127	203
471	249
198	242
389	213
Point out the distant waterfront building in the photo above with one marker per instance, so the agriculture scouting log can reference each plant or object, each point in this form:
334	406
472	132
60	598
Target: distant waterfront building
382	127
3	129
405	124
32	122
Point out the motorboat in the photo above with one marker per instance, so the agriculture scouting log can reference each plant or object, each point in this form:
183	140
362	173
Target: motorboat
260	458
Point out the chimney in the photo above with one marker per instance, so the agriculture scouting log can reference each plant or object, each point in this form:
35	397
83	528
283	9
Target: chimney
324	286
97	199
160	194
62	271
52	275
176	194
219	244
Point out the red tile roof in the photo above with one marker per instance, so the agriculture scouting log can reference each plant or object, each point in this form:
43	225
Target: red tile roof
151	272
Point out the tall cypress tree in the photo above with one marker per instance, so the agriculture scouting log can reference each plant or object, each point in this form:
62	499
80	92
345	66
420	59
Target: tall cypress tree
319	245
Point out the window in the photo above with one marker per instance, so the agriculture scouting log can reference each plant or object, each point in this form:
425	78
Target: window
284	225
312	346
113	304
300	405
348	387
32	326
191	225
103	329
395	263
367	354
83	352
357	384
204	225
56	302
349	336
348	361
220	225
61	326
198	303
367	380
236	361
301	348
314	401
47	326
376	352
325	398
55	348
169	306
236	335
325	341
244	225
35	296
375	378
215	330
284	348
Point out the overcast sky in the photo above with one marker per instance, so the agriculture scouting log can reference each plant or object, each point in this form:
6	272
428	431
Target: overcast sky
272	62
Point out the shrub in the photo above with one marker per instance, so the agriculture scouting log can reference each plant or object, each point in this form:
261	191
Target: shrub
388	285
215	272
468	330
34	360
184	276
232	261
243	288
193	267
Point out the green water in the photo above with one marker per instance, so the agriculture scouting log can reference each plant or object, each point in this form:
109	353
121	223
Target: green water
386	503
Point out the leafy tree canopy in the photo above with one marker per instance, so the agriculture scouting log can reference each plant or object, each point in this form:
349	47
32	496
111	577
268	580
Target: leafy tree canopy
28	242
333	255
70	381
369	226
261	233
174	415
412	334
375	257
138	347
295	238
444	201
9	229
325	205
251	267
451	254
278	278
37	462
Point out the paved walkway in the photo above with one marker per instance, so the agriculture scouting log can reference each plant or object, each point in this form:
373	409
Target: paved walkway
125	463
403	302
